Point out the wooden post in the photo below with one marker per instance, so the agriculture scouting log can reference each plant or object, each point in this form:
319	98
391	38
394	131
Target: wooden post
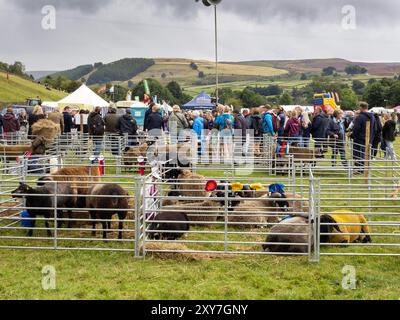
81	128
367	147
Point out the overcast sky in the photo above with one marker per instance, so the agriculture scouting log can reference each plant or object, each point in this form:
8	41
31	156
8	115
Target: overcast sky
89	31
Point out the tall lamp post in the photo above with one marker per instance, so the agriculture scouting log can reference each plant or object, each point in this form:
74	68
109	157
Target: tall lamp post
214	3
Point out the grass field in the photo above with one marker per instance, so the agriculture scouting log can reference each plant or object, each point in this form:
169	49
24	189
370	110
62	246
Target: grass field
100	275
17	90
180	70
285	84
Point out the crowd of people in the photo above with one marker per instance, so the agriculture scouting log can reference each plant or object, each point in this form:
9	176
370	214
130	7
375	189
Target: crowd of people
296	127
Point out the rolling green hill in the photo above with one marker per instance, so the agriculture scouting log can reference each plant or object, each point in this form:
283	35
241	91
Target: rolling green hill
76	73
316	65
166	70
122	70
195	75
16	90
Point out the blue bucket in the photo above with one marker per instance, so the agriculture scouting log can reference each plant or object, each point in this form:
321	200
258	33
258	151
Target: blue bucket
25	223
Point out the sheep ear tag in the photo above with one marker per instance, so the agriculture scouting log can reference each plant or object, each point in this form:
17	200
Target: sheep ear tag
211	185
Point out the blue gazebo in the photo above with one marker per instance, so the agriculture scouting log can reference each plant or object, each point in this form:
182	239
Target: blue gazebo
201	102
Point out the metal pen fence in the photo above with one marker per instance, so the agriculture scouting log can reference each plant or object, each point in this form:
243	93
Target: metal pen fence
170	213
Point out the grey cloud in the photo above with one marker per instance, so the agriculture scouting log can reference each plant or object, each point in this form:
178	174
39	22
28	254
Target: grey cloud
293	10
260	11
86	6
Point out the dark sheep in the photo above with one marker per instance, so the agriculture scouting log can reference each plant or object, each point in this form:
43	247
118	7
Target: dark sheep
172	230
108	196
43	197
286	233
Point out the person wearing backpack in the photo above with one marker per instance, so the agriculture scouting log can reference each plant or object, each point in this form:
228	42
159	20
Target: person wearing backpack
177	123
256	124
292	129
96	129
281	115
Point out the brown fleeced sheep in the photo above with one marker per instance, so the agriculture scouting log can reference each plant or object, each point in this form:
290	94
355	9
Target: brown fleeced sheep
305	154
14	151
268	209
81	179
109	199
47	129
308	156
131	155
287	203
191	184
251	214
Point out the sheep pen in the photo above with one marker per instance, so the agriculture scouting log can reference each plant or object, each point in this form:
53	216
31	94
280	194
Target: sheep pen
236	218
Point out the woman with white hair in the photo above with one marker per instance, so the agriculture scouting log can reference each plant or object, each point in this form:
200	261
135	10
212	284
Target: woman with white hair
177	123
305	131
36	115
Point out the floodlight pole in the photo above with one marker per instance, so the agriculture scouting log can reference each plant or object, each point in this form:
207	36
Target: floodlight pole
216	56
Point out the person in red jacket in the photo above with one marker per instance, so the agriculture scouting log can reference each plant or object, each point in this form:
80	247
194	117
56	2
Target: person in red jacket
292	129
10	122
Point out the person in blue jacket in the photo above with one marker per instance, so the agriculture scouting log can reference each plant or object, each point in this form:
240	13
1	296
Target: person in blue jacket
198	127
198	123
225	124
268	126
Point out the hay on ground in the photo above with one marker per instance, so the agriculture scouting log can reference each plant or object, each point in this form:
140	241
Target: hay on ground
165	252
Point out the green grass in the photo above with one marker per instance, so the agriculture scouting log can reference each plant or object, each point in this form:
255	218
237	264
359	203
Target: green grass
285	84
105	275
17	90
119	276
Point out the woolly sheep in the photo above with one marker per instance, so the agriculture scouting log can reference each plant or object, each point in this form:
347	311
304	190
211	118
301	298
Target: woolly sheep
111	197
284	236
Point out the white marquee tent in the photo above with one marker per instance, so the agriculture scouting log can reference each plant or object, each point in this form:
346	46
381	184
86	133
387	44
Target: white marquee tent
83	98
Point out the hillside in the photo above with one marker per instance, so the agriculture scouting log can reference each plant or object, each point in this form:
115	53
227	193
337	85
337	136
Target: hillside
75	73
40	74
236	74
121	70
316	65
16	90
166	70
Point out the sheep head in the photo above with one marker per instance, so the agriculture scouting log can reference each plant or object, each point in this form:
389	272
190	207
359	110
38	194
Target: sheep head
279	201
325	219
21	190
